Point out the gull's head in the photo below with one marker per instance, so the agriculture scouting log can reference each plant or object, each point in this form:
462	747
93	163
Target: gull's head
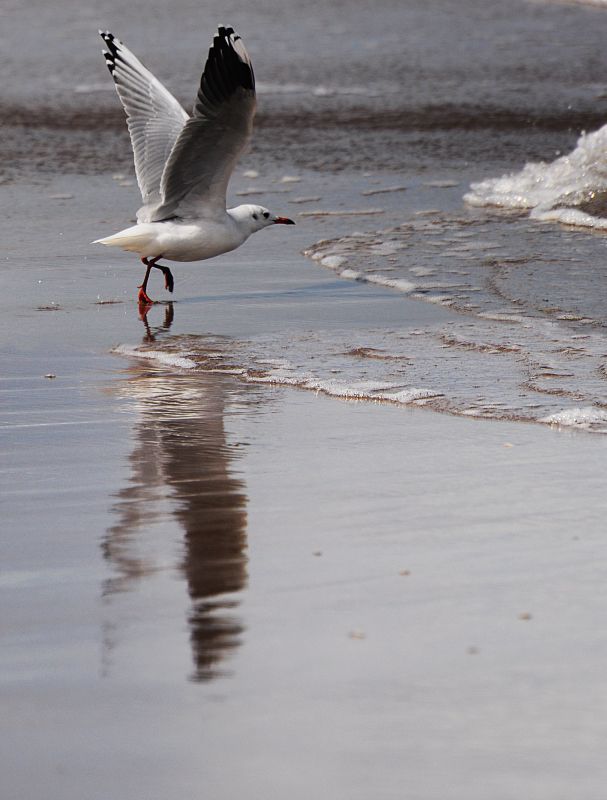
257	217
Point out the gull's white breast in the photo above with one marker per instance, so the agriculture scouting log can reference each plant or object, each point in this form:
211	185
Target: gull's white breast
196	241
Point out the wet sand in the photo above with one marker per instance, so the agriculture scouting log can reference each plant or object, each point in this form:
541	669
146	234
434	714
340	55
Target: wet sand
211	587
262	592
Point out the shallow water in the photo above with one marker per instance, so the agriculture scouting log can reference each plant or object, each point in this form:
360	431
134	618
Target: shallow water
528	339
521	335
415	104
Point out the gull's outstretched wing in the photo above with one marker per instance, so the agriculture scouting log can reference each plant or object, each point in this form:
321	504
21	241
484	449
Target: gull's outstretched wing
197	172
154	118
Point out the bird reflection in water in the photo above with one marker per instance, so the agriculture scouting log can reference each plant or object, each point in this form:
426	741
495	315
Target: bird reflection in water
151	334
181	467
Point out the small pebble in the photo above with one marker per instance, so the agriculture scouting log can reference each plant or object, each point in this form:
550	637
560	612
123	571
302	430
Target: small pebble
384	190
345	213
440	184
304	199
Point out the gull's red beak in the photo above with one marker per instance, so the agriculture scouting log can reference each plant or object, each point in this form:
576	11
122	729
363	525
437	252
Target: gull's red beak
283	221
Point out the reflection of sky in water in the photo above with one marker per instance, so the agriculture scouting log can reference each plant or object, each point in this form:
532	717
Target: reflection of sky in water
181	471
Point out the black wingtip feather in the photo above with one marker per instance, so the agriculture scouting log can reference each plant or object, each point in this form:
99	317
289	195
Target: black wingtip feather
226	70
110	43
111	54
109	62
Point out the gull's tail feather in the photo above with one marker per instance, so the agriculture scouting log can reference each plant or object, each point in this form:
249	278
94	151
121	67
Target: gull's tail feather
136	239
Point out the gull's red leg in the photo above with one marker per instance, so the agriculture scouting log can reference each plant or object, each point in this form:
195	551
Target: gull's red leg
144	298
143	295
168	276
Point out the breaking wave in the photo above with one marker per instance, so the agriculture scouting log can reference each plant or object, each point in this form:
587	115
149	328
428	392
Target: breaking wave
571	190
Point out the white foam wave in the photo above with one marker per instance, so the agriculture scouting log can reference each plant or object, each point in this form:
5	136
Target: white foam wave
335	260
523	368
375	278
587	418
570	216
400	284
350	390
160	356
553	191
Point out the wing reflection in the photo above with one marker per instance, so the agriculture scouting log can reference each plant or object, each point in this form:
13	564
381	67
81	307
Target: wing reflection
182	470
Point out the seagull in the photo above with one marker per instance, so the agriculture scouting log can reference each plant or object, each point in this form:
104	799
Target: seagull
183	163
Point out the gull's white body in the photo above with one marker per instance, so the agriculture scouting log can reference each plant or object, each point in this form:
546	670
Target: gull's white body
188	240
183	163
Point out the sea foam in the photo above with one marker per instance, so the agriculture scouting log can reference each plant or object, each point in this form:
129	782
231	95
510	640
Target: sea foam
587	418
568	190
168	359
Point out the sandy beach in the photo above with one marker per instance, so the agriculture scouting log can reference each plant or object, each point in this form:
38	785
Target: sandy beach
307	529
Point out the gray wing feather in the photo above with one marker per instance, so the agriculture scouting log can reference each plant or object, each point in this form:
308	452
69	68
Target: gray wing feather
154	117
197	172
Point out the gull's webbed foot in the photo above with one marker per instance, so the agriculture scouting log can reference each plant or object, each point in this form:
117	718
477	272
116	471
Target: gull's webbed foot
143	298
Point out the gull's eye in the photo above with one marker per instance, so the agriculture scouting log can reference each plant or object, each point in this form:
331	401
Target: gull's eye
255	216
266	214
